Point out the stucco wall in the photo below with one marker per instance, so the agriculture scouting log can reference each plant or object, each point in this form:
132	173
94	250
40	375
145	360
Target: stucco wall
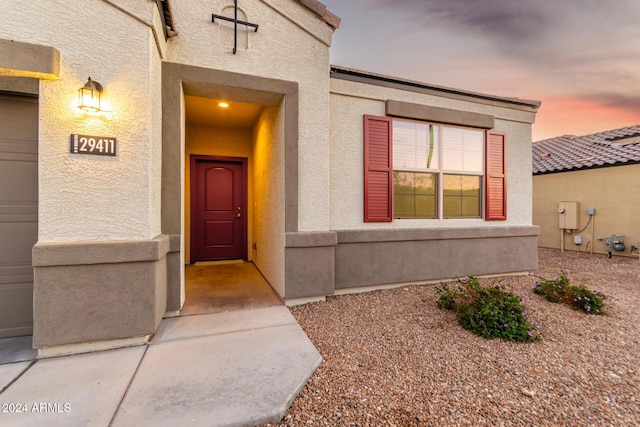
291	44
216	142
611	191
349	101
155	137
268	197
95	197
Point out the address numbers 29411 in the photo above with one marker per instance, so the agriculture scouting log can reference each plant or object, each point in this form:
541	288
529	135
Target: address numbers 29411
97	145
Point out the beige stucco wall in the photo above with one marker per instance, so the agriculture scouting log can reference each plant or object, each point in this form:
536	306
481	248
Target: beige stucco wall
85	197
291	44
349	101
211	141
611	191
268	196
155	136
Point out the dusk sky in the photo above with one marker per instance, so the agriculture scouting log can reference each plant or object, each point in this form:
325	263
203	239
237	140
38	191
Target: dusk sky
581	58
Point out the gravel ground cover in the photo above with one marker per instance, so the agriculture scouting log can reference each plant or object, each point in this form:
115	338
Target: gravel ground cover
392	358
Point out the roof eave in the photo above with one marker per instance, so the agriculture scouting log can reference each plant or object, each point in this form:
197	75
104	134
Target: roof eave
341	72
321	11
167	18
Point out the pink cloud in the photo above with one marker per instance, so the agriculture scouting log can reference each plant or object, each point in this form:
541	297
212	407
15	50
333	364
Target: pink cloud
577	116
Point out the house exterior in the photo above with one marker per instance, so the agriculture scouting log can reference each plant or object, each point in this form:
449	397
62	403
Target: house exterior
596	171
217	140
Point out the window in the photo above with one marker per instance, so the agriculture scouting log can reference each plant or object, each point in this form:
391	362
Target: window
437	171
429	170
416	157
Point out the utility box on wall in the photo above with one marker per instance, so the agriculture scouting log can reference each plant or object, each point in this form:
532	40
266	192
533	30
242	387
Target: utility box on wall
568	215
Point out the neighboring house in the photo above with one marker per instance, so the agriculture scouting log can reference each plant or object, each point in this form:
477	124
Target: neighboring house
328	179
598	171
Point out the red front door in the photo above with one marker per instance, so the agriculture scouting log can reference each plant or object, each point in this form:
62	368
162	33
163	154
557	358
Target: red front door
218	209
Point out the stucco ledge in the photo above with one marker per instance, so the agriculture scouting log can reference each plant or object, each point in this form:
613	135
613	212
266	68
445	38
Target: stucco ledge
47	254
22	59
310	239
435	233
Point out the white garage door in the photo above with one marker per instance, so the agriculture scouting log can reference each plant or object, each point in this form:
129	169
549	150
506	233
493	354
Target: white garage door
18	211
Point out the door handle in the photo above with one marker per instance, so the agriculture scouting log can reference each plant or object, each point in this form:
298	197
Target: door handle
239	214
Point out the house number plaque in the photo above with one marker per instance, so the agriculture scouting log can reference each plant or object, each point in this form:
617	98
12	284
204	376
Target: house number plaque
96	145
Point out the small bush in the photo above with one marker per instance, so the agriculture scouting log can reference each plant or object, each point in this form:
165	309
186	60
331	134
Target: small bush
560	290
446	296
555	290
492	311
589	301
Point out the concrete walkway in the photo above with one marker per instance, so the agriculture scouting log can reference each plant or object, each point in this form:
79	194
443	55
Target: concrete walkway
223	369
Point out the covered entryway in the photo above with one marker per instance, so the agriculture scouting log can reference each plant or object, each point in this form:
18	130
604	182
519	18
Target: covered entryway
221	167
222	114
18	211
225	174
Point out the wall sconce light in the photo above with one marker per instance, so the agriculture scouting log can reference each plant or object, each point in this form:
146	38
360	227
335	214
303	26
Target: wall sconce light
89	95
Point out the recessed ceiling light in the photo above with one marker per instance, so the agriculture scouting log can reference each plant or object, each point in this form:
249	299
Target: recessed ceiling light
223	105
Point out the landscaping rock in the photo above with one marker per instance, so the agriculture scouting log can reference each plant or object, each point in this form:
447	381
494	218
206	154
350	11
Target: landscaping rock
421	368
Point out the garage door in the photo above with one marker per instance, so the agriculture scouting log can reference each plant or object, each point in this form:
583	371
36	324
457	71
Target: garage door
18	211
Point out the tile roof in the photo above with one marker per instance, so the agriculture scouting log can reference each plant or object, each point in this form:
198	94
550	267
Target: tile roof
603	149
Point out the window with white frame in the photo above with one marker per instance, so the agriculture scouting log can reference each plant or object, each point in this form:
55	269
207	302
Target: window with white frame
438	170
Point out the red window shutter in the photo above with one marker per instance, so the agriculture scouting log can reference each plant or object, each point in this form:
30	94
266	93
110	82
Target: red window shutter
378	169
496	176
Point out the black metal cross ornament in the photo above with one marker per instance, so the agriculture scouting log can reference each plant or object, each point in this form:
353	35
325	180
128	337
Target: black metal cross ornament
235	24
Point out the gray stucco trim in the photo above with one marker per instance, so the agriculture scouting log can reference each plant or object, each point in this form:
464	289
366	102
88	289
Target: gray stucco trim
392	261
309	271
439	115
174	274
98	290
29	60
309	263
99	252
318	263
309	239
76	304
442	233
200	82
174	280
175	243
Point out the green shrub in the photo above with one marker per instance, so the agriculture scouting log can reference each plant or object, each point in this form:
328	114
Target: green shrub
446	296
555	290
589	301
491	311
560	290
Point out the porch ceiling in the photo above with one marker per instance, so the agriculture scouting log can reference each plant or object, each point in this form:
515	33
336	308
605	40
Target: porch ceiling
206	112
